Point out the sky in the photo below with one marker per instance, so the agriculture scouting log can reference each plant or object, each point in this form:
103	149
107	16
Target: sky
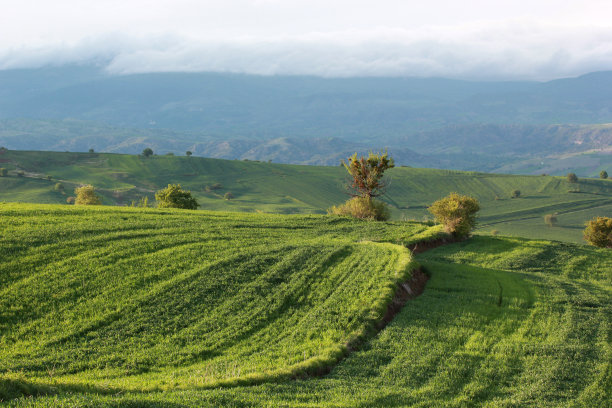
467	39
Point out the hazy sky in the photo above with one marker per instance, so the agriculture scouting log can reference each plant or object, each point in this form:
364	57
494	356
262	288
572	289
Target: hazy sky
474	39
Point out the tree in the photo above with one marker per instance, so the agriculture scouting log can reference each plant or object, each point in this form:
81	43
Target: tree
572	178
148	152
367	174
367	183
91	150
86	195
174	196
598	232
58	187
550	219
3	172
515	193
188	153
603	174
228	196
457	213
70	200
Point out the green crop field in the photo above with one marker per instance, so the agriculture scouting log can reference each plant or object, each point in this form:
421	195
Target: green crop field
132	299
108	306
288	189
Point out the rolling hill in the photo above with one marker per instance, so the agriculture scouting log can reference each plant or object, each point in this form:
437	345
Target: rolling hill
130	307
520	149
287	189
520	127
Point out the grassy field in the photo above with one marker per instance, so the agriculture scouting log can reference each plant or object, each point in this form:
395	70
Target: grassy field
128	299
288	189
130	307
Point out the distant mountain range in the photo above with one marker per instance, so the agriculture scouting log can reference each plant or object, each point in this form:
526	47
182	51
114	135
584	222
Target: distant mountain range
525	127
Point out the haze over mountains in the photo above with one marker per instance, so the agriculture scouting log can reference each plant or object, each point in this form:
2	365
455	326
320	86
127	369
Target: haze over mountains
522	127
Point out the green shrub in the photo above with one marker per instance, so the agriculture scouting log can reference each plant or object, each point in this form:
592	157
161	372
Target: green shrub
3	172
85	195
148	152
70	200
188	153
603	174
457	213
143	202
174	196
550	219
58	187
598	232
20	173
362	207
515	193
572	178
228	196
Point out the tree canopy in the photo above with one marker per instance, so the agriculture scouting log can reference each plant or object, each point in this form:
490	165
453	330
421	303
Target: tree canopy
174	196
86	195
367	173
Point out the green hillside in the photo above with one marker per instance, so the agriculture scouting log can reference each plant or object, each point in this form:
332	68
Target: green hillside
147	299
287	189
130	307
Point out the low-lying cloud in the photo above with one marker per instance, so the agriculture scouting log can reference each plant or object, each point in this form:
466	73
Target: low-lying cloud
510	50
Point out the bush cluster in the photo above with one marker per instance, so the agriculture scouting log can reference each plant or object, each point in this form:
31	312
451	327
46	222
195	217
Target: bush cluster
457	213
598	232
174	196
362	207
85	195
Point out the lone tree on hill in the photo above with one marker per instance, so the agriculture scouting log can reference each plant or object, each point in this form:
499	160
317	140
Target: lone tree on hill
188	153
367	183
367	174
148	152
85	195
603	174
598	232
174	196
457	213
515	194
572	178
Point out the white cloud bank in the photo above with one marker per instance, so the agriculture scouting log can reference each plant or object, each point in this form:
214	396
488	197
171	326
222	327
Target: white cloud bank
316	37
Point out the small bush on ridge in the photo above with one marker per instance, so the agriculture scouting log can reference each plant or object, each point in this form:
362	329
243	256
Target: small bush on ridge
598	232
457	213
85	195
174	196
550	219
362	207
